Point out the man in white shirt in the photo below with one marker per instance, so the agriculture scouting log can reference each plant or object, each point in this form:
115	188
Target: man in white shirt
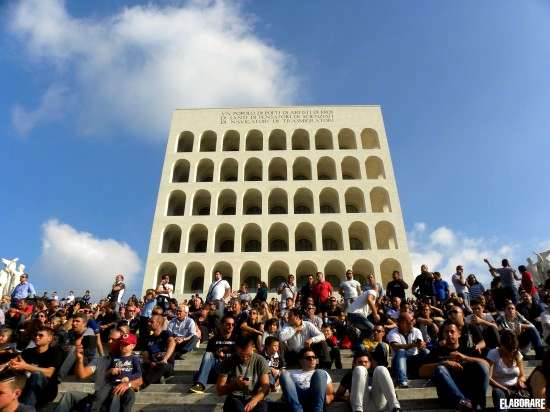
308	388
350	288
461	288
70	297
218	291
360	309
408	348
164	292
300	334
287	289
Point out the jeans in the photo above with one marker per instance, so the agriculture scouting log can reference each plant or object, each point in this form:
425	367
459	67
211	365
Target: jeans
116	403
336	357
470	383
35	390
153	374
499	394
362	323
187	346
531	335
313	398
69	400
382	395
209	366
402	362
237	404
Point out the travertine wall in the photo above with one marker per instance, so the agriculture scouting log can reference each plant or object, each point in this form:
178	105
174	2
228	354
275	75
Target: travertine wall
262	192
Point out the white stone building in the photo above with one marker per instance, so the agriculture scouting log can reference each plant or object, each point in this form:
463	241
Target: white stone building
259	193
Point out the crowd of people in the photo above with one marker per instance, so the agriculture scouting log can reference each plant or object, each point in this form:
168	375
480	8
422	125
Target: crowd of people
463	337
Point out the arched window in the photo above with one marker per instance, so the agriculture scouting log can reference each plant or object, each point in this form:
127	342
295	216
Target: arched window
278	202
198	239
201	203
335	272
369	139
304	268
326	169
171	239
358	236
227	202
278	238
251	238
205	171
208	141
303	201
185	142
361	269
194	278
167	269
328	200
350	168
277	140
387	267
251	274
346	139
332	237
229	171
355	200
231	141
277	169
176	204
301	169
252	202
181	171
253	170
375	168
304	237
323	140
225	237
254	140
277	274
380	200
385	235
226	270
300	140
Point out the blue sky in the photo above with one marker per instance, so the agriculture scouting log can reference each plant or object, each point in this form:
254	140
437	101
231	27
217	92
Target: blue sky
87	90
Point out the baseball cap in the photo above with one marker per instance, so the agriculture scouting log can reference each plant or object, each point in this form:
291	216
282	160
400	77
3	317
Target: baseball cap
129	339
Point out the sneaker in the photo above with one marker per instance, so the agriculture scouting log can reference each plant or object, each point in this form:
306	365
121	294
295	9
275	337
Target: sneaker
403	385
197	388
465	406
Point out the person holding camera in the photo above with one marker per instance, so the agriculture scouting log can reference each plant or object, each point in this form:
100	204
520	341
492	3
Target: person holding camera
164	292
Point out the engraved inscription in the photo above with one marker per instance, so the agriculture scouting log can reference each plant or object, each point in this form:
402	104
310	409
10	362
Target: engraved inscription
277	116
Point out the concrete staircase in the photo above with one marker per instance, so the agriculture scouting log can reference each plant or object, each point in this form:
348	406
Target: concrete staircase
173	395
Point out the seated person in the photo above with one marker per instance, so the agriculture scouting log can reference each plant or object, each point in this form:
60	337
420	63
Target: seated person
373	392
460	375
310	316
408	349
379	350
539	380
7	345
275	360
184	331
80	340
271	328
307	389
426	323
11	387
485	323
220	347
506	372
300	334
524	330
530	309
332	343
123	368
470	336
42	363
244	378
158	360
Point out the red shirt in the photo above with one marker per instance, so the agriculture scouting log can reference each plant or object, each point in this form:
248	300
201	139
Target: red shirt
321	291
527	283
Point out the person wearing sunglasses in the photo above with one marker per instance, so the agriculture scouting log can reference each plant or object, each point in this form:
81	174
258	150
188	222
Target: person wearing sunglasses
42	363
308	388
220	347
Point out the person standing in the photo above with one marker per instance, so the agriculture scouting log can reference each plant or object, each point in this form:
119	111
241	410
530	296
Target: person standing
508	276
397	286
350	288
461	287
441	288
23	290
422	285
164	292
218	291
287	289
117	291
321	293
527	283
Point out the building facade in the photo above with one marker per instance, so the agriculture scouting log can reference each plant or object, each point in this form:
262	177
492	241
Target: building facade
259	193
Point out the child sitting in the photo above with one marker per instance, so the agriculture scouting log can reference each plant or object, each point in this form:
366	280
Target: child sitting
123	369
332	344
275	361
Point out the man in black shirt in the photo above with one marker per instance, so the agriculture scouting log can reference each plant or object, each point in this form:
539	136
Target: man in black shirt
82	340
461	376
42	362
158	360
470	335
397	286
422	286
221	346
306	291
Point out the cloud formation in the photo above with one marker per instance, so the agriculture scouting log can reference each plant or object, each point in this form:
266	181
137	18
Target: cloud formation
77	260
132	69
442	249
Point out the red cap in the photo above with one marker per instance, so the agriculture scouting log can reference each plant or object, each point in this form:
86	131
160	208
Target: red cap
129	339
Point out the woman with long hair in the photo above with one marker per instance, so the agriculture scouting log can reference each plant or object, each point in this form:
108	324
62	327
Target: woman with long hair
476	289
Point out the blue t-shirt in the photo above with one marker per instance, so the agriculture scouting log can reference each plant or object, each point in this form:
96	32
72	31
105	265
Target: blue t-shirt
129	366
440	289
93	325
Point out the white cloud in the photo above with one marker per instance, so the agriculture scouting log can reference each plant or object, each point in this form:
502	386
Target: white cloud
132	69
77	260
442	249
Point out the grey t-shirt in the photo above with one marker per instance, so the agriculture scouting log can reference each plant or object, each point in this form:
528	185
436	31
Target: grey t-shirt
253	369
507	277
459	287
